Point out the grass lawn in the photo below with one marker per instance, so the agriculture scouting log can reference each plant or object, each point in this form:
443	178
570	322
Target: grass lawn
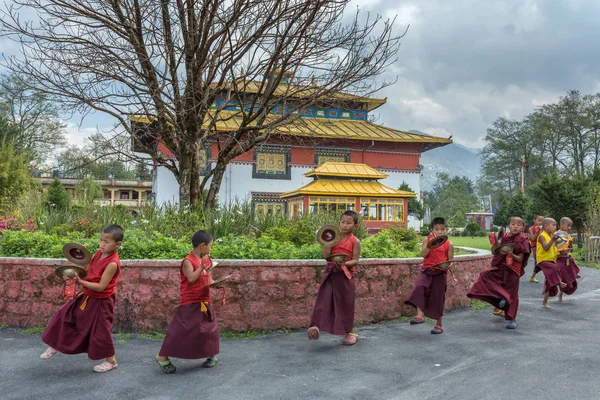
476	242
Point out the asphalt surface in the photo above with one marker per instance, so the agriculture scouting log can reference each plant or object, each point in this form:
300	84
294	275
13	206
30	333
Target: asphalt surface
553	354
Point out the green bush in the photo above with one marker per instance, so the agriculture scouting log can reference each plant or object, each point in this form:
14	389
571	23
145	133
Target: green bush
58	198
140	244
473	229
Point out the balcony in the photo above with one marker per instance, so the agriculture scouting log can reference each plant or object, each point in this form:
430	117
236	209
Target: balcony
127	203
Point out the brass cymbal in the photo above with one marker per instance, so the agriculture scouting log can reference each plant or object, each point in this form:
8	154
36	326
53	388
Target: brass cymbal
328	235
444	265
338	258
77	253
504	247
437	241
219	281
70	271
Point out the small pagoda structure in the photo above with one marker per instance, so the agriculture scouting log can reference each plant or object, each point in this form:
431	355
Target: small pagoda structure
341	186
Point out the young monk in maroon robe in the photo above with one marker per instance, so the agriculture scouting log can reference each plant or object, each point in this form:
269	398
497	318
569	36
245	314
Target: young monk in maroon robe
499	284
83	325
546	257
193	333
533	232
429	293
569	270
334	307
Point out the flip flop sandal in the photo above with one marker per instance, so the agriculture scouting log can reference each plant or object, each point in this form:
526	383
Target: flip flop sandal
350	339
48	353
210	362
437	330
499	313
166	366
416	320
313	333
105	367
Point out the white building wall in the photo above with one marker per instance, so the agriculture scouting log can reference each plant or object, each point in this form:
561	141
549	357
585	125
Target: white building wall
238	184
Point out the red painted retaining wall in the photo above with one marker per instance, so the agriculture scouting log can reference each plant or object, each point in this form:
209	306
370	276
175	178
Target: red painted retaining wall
261	294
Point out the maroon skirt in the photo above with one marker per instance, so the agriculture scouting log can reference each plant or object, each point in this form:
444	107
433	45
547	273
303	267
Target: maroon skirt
552	275
73	330
334	307
429	293
192	334
568	273
498	283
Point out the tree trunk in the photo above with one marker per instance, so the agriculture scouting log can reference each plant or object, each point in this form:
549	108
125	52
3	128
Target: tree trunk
215	183
189	174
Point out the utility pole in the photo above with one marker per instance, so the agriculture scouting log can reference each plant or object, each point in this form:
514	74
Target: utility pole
523	174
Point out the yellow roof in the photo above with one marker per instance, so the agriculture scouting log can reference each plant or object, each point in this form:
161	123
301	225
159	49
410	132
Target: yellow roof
351	170
229	121
331	187
302	91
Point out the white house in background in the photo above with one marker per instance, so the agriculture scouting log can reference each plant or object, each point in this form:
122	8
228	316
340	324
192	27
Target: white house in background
341	134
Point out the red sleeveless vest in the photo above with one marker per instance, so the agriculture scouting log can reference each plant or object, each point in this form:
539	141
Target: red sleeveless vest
345	247
436	255
95	271
199	291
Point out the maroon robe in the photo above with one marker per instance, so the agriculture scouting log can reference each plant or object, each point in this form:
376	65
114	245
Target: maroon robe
501	280
429	292
552	274
73	330
568	273
84	324
193	333
335	304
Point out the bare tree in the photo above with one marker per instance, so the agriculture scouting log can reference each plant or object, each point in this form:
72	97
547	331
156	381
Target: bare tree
172	60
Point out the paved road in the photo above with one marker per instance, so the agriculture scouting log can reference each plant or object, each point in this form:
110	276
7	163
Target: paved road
552	355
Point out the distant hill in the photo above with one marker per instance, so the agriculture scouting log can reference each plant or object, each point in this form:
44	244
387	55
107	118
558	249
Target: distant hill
453	159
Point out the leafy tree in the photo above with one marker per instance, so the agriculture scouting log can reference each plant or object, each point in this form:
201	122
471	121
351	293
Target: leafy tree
452	198
558	197
35	115
14	175
415	208
170	61
88	190
502	213
58	198
519	205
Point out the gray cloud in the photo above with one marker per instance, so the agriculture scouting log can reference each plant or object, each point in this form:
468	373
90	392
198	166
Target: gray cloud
464	63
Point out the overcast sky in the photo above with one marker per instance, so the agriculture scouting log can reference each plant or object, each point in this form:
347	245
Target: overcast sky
463	63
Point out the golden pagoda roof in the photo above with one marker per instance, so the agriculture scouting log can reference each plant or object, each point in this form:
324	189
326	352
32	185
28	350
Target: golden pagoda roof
332	187
229	121
344	169
299	91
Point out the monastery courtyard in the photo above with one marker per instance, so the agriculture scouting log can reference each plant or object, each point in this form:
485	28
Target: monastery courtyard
553	354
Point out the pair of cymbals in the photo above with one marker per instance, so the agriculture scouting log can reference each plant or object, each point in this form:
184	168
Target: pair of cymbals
77	254
437	241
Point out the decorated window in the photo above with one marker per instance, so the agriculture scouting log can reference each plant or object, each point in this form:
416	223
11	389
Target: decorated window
382	209
264	204
322	205
271	163
295	207
346	115
331	155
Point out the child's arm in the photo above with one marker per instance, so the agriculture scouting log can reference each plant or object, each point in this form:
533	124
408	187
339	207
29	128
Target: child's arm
189	273
450	251
355	255
107	275
546	246
424	249
531	235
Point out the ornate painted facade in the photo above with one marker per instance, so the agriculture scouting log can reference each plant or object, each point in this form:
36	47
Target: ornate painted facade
323	134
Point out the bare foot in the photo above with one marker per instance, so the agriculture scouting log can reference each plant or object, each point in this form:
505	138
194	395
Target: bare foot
560	300
562	285
547	306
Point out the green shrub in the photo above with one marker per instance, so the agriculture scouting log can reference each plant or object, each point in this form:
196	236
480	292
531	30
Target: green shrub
473	229
58	198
